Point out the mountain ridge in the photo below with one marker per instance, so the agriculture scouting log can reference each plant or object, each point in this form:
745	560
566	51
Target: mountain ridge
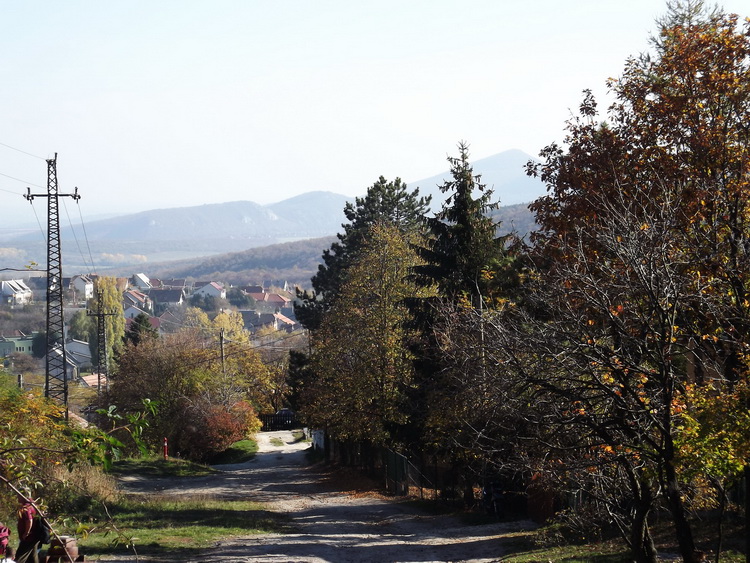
190	232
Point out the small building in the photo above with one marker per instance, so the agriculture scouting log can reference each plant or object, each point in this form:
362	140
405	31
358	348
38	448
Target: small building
140	281
20	343
211	289
135	298
83	287
163	298
254	321
79	353
15	292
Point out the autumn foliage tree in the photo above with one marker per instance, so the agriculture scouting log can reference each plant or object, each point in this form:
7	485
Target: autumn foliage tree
203	406
672	158
361	361
107	299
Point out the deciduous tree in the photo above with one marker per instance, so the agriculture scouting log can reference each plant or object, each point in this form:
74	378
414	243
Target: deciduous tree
676	140
362	365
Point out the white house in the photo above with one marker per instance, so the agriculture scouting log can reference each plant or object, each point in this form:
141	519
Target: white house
141	282
133	311
15	292
83	287
211	289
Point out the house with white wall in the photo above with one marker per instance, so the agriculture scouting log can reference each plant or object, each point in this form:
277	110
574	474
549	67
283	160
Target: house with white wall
83	286
15	292
211	289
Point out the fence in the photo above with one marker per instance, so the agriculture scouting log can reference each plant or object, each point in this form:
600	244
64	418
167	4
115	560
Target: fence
279	421
428	477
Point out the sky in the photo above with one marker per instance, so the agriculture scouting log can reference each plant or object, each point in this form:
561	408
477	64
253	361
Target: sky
177	103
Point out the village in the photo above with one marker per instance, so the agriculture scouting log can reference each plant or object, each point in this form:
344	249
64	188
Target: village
162	301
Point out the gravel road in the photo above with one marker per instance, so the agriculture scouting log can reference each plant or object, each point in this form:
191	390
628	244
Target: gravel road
328	524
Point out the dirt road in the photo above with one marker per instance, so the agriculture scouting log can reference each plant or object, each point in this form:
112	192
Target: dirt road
330	525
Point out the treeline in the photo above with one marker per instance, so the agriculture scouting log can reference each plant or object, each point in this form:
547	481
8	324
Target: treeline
292	262
605	359
297	262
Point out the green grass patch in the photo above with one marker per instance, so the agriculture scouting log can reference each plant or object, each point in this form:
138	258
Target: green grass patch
159	467
299	436
161	524
239	452
278	442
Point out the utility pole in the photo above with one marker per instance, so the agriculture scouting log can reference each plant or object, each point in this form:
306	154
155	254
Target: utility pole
221	346
101	341
56	380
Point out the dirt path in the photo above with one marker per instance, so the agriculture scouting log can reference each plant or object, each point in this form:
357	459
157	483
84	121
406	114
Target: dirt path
328	524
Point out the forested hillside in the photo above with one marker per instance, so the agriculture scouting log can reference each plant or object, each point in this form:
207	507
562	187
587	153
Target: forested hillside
296	262
293	262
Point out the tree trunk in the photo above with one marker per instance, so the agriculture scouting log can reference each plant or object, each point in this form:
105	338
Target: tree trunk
640	536
681	524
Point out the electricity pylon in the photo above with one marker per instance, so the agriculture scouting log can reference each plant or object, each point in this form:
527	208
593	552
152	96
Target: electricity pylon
101	341
56	380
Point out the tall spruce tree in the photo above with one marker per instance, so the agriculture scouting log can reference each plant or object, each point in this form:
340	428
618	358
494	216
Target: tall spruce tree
386	202
464	241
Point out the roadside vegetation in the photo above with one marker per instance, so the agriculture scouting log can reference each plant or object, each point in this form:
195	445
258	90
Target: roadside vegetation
600	367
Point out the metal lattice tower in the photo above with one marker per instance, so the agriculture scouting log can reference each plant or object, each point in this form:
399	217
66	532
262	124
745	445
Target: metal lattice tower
56	381
101	341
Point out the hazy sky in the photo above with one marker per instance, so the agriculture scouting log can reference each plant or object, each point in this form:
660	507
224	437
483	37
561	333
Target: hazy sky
173	103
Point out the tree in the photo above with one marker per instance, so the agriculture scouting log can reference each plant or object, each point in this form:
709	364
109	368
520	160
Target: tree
463	243
80	325
385	201
240	299
362	364
183	374
140	328
232	325
598	354
465	260
107	299
677	141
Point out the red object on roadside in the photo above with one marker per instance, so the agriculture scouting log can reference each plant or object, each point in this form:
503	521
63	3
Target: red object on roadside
165	448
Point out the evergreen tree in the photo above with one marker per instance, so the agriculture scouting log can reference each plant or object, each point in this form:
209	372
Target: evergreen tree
140	328
463	243
386	202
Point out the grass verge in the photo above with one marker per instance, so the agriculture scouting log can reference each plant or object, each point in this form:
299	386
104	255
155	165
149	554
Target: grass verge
161	524
159	467
239	452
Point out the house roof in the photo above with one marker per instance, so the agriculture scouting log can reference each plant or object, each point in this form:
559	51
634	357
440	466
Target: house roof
270	298
173	283
253	289
167	295
254	319
141	279
93	380
213	285
37	282
13	287
155	322
135	297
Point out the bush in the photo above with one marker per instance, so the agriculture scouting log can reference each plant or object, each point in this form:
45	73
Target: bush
77	489
215	428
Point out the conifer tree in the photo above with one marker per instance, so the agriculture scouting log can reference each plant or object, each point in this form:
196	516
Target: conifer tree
387	202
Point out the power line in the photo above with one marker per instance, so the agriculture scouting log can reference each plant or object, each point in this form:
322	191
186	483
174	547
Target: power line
21	151
86	238
19	180
75	237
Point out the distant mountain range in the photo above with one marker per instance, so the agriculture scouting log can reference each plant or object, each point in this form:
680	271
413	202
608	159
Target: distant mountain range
503	173
163	235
